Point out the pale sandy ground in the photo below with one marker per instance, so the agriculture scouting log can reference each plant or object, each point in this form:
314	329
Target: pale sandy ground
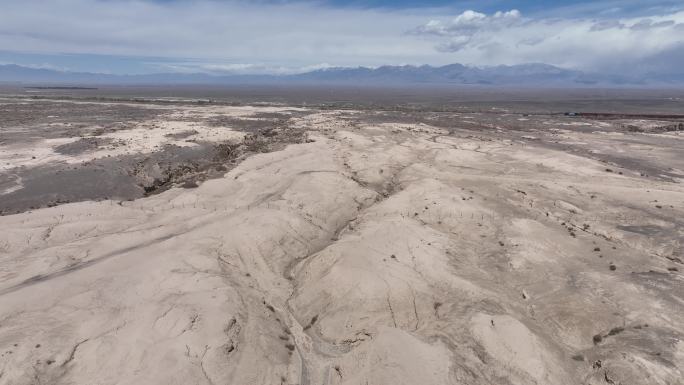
376	254
146	137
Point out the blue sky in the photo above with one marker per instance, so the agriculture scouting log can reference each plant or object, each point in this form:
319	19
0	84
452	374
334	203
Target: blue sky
229	36
546	7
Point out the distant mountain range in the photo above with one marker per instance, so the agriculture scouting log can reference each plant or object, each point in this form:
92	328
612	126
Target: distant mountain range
541	75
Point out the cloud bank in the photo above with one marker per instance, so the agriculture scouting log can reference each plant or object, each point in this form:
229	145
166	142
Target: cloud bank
259	34
285	37
631	45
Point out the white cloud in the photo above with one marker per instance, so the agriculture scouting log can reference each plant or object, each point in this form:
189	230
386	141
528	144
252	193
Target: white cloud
454	44
469	23
39	66
594	44
277	34
647	24
286	37
606	24
218	68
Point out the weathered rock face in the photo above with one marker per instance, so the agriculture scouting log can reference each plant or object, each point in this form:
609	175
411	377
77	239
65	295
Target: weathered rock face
374	254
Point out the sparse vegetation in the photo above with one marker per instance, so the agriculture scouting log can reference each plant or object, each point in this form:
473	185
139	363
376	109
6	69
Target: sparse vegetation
312	322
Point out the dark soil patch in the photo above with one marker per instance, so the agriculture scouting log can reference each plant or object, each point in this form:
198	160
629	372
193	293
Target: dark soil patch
642	229
133	176
40	112
256	123
182	134
83	145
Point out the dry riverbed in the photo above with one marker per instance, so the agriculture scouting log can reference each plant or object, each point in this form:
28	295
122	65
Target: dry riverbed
278	245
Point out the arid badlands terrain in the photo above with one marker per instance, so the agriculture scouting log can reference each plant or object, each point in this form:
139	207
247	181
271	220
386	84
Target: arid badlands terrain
204	243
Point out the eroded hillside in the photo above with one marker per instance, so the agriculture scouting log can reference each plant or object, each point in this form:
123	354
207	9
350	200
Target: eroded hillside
378	251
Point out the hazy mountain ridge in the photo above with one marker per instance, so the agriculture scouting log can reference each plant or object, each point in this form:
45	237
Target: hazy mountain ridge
533	74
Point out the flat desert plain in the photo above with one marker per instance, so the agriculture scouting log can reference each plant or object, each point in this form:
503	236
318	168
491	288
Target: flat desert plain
189	243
